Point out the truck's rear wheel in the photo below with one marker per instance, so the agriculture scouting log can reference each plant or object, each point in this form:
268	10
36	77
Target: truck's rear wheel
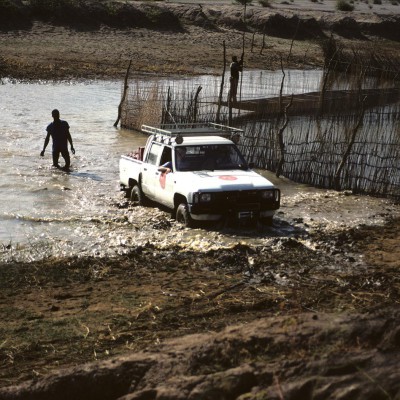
137	197
183	216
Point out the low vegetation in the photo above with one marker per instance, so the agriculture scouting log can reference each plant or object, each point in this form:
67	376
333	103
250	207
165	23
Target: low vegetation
265	3
90	14
344	5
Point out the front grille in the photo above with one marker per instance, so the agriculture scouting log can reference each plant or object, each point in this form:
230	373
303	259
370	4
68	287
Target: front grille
229	202
242	197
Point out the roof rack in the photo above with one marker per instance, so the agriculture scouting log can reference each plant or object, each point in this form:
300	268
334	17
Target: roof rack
179	131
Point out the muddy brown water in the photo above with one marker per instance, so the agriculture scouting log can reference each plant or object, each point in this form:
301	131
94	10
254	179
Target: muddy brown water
45	212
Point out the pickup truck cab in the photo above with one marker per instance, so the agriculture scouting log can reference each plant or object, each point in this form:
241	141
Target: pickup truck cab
198	172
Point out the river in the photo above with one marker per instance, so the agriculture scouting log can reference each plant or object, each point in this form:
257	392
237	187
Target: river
48	213
40	206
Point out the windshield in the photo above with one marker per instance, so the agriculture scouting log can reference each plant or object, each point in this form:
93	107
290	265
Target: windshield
209	157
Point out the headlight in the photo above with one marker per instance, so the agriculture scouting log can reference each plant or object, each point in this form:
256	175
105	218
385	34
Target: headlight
202	198
267	194
205	197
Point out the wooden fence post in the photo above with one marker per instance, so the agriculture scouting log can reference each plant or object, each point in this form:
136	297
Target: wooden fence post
222	86
194	119
166	115
241	75
280	139
123	94
336	181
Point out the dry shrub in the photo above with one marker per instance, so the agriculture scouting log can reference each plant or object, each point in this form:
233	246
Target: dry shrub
143	107
265	3
343	5
151	110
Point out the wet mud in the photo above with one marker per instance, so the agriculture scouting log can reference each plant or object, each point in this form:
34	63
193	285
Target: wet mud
326	252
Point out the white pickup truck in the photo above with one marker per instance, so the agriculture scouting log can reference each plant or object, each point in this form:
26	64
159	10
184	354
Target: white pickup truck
198	172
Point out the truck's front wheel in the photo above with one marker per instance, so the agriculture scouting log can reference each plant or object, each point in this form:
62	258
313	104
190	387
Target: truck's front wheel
183	216
137	196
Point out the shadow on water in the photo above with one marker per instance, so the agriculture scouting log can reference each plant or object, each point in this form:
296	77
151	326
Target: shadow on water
86	175
234	229
77	174
255	229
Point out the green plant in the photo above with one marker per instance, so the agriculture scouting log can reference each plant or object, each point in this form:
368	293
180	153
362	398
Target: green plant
344	5
264	3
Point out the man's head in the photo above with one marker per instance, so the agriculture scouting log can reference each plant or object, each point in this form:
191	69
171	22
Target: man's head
234	58
55	114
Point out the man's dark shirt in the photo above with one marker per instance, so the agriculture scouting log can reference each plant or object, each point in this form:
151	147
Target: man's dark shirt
59	131
235	69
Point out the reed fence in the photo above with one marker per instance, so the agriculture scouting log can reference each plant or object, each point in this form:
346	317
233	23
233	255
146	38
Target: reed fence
327	143
314	148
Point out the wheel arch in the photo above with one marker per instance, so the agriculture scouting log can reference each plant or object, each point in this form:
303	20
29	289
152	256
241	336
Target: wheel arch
133	182
178	199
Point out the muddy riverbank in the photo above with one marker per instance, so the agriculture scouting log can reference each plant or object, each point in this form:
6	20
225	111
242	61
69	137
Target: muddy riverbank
63	313
97	39
327	254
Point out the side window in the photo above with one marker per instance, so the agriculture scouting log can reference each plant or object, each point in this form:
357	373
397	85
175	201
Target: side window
152	155
166	155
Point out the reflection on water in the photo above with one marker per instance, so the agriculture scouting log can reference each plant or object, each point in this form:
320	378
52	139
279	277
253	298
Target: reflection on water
46	212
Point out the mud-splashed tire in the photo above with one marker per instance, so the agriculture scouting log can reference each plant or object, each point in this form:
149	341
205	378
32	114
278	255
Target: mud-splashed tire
137	197
183	217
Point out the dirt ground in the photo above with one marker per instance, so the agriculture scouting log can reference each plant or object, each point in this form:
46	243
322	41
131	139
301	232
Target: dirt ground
193	42
65	312
48	52
62	313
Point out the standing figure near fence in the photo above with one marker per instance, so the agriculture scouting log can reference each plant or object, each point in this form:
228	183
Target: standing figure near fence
235	67
58	130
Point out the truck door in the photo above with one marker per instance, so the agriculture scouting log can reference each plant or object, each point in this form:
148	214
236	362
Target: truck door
164	187
150	169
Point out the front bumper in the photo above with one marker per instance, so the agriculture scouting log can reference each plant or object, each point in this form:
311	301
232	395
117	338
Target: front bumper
246	204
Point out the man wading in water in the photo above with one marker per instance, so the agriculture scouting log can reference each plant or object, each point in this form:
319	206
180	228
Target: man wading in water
59	132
